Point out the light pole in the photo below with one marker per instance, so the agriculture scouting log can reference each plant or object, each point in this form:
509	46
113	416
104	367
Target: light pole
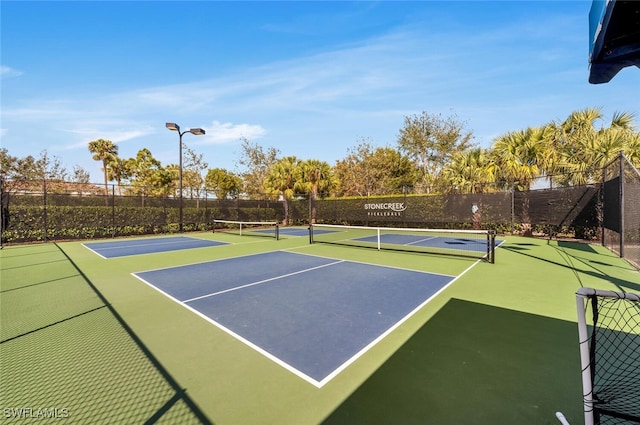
196	131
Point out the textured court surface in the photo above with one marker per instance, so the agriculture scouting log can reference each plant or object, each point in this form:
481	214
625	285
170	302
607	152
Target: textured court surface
497	345
126	247
313	315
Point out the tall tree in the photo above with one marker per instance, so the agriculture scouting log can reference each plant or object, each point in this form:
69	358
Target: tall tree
11	168
105	151
223	183
8	165
281	182
118	171
314	177
584	148
367	171
518	155
148	177
256	163
194	165
26	169
632	150
80	175
49	167
469	171
355	176
430	140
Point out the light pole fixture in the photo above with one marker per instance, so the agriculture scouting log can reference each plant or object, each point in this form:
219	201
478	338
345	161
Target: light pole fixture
195	131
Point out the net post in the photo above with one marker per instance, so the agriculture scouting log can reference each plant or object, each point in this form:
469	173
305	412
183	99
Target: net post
489	259
213	230
277	232
310	233
491	246
585	356
379	244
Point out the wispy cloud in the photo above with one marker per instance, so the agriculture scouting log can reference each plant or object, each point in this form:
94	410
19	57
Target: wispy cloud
228	132
117	134
8	72
316	104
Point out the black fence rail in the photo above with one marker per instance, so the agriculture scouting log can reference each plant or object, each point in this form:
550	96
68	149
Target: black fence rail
55	214
41	211
568	210
621	210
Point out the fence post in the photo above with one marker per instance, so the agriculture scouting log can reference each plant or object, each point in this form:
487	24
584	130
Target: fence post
601	207
4	210
622	204
113	210
44	205
513	207
550	227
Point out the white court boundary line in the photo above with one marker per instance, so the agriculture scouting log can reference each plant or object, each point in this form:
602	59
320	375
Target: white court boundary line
84	244
282	363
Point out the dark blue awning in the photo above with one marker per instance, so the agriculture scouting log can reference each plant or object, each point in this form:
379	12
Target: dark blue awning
614	38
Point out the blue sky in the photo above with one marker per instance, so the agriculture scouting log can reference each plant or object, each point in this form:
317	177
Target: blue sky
311	79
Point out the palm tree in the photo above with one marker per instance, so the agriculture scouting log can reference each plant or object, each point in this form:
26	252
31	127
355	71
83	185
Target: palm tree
468	171
632	148
118	171
281	181
585	149
518	154
105	151
315	176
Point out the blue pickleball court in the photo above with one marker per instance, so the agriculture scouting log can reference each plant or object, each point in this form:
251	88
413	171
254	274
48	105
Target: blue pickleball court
312	315
127	247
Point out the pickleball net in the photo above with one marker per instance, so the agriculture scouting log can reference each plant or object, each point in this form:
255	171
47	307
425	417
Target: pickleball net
463	243
609	332
248	228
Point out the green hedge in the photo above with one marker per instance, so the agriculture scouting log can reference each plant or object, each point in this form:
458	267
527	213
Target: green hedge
29	223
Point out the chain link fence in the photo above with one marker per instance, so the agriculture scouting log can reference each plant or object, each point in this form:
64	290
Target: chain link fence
605	210
47	210
570	211
620	209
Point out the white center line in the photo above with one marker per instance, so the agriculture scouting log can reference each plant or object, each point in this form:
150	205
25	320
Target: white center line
261	281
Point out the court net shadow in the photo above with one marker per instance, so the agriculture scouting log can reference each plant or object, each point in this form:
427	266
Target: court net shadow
474	364
67	354
578	246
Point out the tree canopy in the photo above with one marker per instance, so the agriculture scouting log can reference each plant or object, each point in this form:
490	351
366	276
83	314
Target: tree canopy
431	141
433	154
